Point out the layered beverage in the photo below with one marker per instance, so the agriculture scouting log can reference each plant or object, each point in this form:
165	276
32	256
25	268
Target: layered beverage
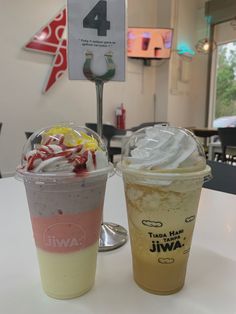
65	169
163	172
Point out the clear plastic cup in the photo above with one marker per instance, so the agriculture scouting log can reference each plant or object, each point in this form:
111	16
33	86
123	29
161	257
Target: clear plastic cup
162	205
66	213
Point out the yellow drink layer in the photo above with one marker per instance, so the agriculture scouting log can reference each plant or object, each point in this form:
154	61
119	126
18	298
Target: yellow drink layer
69	275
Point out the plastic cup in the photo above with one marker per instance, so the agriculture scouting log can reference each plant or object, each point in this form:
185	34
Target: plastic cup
66	214
146	37
162	209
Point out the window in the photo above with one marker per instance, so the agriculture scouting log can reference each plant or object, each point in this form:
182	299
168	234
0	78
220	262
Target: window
225	103
223	87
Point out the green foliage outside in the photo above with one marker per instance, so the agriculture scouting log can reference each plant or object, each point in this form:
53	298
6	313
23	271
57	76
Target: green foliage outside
226	81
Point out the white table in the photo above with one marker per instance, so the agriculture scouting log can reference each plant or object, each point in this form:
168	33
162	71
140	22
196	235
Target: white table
211	278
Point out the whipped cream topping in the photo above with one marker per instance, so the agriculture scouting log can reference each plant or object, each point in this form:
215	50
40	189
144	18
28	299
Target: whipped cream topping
162	148
64	150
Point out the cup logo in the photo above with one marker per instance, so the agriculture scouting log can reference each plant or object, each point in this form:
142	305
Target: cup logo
189	219
166	260
166	241
150	223
64	235
187	251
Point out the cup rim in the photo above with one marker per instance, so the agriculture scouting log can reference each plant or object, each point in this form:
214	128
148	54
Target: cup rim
204	173
60	176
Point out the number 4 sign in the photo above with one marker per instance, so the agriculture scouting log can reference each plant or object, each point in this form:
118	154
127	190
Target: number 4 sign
98	27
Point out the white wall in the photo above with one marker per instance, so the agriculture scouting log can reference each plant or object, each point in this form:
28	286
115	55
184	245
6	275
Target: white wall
23	107
187	99
164	19
183	81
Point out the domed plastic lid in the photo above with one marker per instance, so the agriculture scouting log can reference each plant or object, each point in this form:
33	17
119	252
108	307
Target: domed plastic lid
165	150
63	150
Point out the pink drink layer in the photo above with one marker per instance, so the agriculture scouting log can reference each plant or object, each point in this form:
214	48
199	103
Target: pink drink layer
66	233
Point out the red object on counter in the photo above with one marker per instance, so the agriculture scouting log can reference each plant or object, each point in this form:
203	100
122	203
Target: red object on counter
120	117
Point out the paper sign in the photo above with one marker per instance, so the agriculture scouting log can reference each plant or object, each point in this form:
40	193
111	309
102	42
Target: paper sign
98	27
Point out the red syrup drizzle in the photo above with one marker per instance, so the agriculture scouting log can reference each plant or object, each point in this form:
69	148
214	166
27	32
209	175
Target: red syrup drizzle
80	164
46	152
94	159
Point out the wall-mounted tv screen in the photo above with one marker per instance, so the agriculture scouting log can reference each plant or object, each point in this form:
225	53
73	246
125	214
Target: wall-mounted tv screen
150	43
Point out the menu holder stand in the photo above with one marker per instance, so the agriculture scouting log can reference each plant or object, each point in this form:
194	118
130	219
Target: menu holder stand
112	235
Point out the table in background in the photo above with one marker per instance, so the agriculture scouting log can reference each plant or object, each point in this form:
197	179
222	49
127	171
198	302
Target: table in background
121	139
211	278
214	148
204	132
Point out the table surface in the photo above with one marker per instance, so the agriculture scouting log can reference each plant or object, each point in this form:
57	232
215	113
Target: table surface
211	277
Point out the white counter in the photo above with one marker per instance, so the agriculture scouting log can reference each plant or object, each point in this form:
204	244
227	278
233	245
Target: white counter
211	278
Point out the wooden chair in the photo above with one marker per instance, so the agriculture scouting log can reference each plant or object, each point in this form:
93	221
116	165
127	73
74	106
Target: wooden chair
224	177
228	144
108	132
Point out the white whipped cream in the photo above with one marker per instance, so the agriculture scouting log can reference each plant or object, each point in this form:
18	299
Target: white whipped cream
55	164
164	147
64	163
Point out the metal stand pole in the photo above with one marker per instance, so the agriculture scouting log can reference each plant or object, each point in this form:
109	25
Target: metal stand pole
112	235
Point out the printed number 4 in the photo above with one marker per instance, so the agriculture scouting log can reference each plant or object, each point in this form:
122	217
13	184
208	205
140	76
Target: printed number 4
97	18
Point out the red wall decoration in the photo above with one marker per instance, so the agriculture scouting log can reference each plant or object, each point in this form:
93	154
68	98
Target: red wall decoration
50	40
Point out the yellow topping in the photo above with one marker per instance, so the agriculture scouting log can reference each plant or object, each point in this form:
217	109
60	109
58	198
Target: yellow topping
73	138
58	130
